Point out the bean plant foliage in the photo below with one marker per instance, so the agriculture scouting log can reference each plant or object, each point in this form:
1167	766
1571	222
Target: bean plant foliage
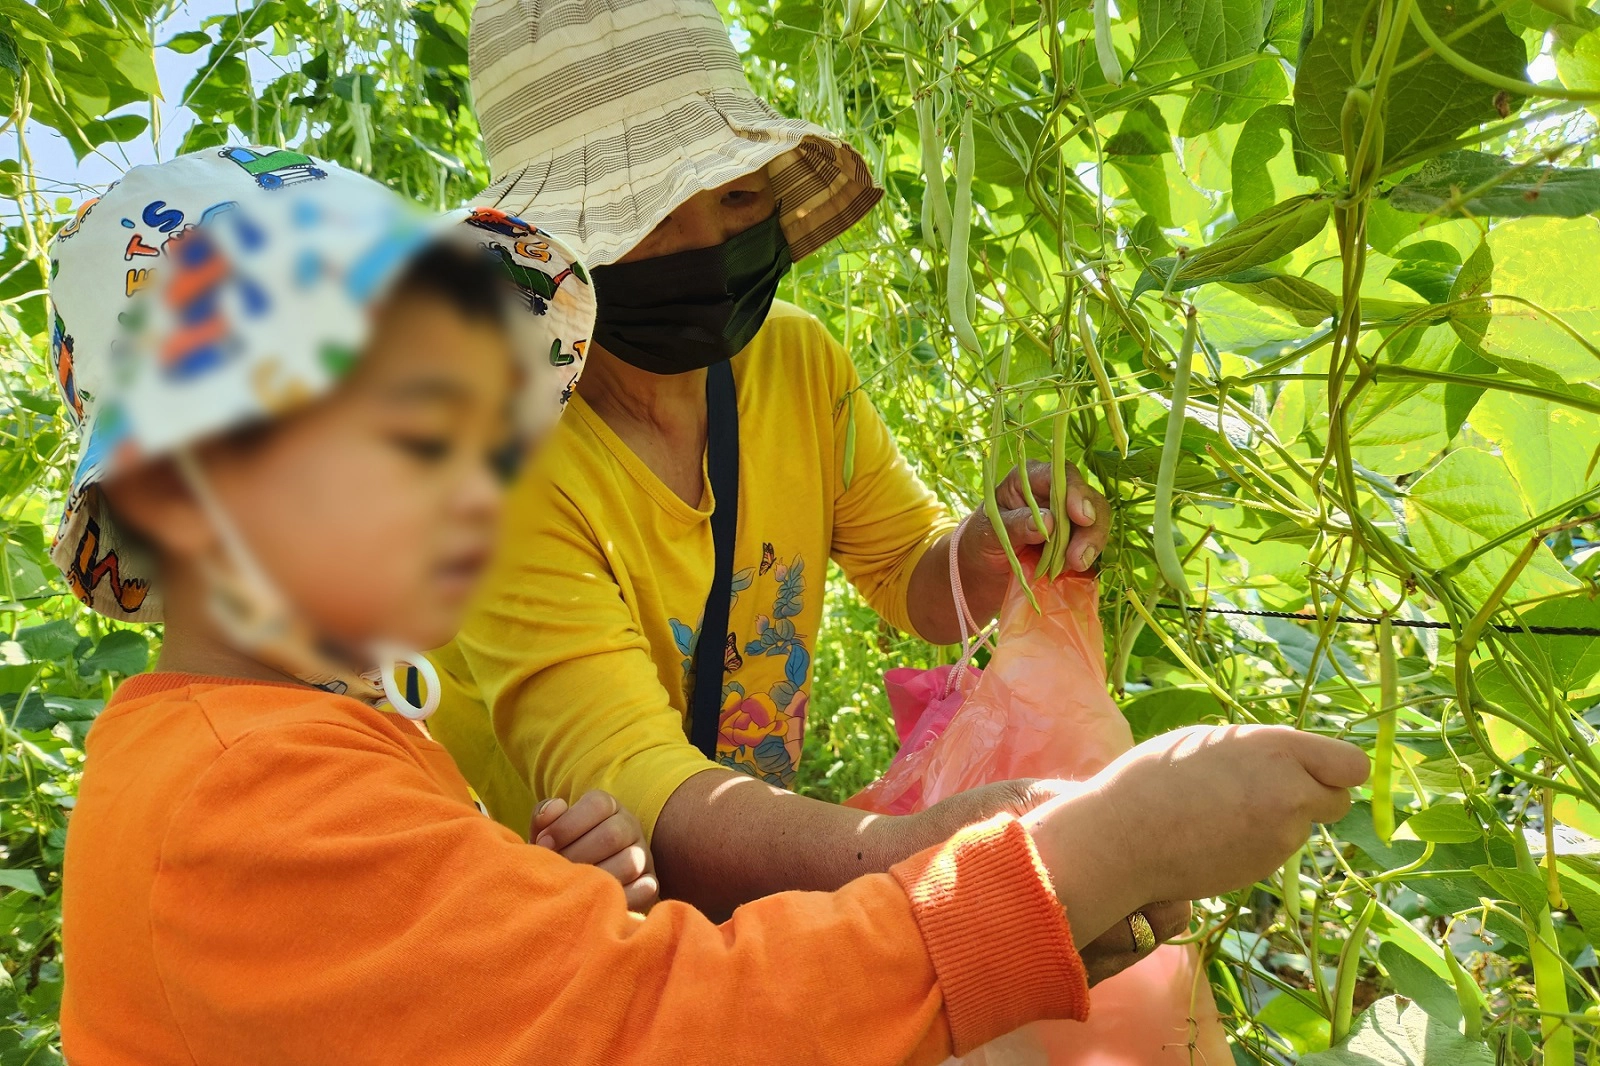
1307	287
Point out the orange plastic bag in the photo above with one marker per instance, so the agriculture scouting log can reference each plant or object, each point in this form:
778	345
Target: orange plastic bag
1040	709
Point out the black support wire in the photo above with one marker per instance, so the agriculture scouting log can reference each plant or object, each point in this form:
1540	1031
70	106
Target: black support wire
1404	623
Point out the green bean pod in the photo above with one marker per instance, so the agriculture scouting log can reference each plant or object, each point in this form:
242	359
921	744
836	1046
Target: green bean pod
1061	535
848	471
1289	888
935	203
1110	65
1165	543
1549	976
991	475
959	292
1344	987
1467	995
1091	352
1383	751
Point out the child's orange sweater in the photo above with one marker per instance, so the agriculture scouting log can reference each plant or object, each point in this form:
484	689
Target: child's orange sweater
265	873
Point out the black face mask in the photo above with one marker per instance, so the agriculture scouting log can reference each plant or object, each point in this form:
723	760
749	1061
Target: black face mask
685	311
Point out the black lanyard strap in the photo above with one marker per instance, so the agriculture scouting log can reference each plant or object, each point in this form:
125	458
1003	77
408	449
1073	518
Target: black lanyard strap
722	466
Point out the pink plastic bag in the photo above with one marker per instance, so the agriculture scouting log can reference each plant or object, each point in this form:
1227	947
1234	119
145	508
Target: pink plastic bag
1040	709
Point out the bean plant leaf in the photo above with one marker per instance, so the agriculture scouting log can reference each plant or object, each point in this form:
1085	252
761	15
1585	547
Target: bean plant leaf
1471	319
1215	32
1573	661
1419	983
21	881
1270	235
1260	142
1308	302
1468	499
1397	1032
1167	709
1546	445
1551	331
1443	823
1481	184
125	651
1430	101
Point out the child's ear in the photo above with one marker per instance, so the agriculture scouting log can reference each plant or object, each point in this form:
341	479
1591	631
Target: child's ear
153	502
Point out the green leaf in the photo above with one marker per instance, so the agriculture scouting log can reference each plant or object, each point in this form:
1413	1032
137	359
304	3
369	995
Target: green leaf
1584	903
1550	262
1297	1020
21	881
1143	132
134	60
1471	321
1269	235
1525	890
1427	268
1418	982
1430	101
1395	1032
123	651
1546	445
1573	661
1147	181
1260	141
1308	302
1167	709
8	56
1470	498
52	640
1216	31
1443	823
1298	645
189	42
1489	185
119	129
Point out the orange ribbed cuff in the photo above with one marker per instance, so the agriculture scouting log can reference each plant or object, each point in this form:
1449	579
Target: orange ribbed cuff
998	938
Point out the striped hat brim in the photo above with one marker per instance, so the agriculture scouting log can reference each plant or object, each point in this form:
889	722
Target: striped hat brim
608	114
605	194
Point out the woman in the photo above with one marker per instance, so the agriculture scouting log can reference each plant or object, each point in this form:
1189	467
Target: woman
632	125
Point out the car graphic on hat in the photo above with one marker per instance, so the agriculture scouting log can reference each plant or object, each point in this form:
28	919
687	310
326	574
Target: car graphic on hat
275	169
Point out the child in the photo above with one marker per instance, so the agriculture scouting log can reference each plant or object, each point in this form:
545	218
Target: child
293	417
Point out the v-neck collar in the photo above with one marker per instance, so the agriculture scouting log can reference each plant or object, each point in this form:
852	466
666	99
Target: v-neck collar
641	473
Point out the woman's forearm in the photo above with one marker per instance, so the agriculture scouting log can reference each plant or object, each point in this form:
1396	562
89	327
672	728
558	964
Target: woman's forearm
724	839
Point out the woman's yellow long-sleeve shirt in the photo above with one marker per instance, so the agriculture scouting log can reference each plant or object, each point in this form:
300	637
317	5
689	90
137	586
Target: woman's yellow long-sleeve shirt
573	669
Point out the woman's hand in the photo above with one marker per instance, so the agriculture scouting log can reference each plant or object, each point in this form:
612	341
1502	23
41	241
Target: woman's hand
985	570
1193	813
982	552
599	831
1116	949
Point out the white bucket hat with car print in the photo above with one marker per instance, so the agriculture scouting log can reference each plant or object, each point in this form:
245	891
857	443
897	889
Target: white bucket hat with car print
608	114
225	287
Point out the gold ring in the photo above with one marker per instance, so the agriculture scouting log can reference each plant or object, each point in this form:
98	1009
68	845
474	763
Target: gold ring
1144	937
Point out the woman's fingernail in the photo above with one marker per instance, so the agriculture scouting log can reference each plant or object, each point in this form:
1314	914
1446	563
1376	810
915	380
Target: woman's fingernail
545	841
1088	558
1086	511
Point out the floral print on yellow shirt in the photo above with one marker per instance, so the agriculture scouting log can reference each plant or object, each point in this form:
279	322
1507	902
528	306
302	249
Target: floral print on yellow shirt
764	678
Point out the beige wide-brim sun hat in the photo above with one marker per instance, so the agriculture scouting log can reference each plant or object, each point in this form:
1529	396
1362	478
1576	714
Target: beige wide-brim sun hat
608	114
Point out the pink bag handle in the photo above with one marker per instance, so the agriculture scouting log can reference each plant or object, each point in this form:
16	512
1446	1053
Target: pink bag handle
973	636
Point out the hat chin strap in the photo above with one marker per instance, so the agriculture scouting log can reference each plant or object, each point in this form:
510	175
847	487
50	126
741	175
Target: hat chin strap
259	620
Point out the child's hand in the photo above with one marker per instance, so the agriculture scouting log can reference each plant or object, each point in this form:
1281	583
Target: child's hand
597	831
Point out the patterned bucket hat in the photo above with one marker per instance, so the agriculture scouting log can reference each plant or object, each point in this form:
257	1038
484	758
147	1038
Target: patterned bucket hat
610	113
226	287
